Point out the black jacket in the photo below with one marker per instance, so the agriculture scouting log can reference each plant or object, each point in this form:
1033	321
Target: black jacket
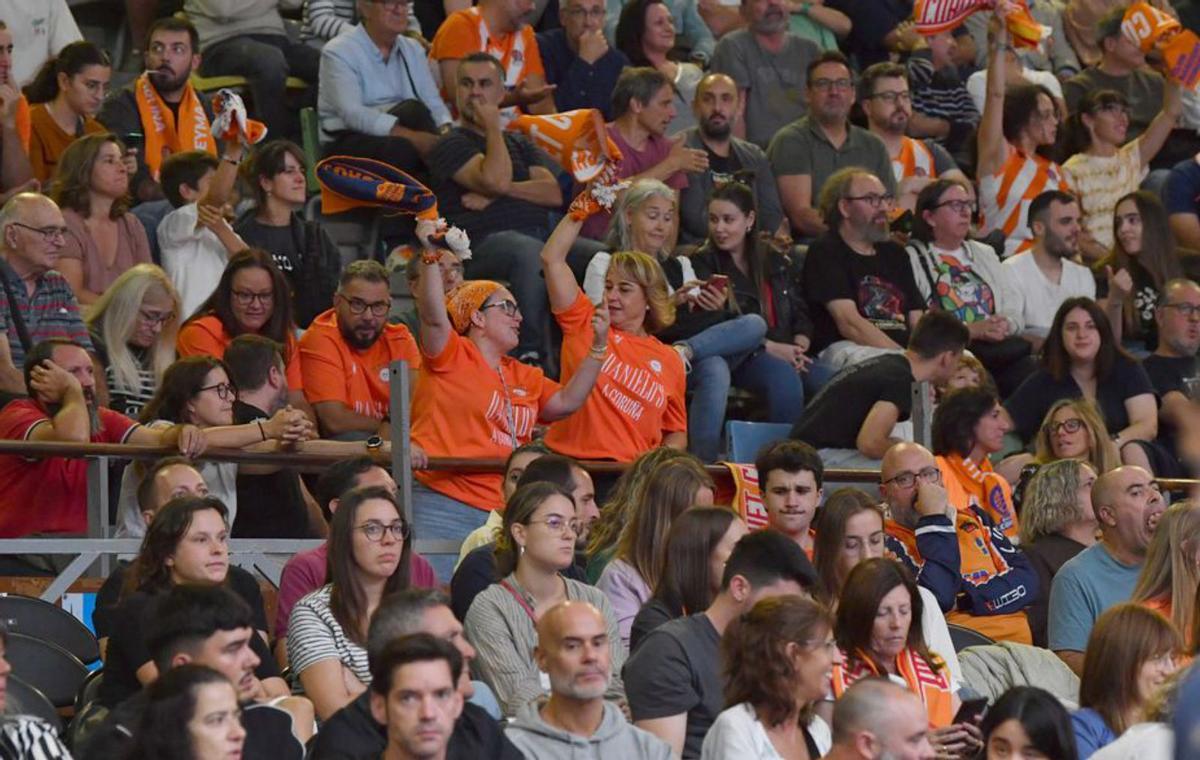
315	277
785	312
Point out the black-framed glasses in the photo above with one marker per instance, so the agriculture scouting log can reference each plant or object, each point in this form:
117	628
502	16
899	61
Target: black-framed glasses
48	233
225	391
892	96
874	200
908	479
831	84
957	206
373	530
508	306
1073	425
1186	310
557	524
359	306
245	297
156	319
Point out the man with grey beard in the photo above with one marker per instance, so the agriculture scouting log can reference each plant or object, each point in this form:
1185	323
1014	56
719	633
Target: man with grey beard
716	108
49	495
858	283
574	651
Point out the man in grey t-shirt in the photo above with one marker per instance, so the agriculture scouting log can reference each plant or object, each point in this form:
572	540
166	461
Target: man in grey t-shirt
768	63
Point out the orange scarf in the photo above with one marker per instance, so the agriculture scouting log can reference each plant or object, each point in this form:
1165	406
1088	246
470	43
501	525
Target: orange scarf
24	122
968	483
932	686
162	133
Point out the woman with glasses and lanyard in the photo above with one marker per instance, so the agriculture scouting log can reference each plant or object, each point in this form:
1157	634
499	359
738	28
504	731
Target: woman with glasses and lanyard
197	391
369	555
252	296
536	542
473	400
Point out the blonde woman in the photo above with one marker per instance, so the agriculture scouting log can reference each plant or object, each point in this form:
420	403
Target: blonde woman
1073	428
133	326
1170	575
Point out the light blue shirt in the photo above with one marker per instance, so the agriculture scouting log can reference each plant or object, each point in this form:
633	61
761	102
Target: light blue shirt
1087	585
358	86
1091	732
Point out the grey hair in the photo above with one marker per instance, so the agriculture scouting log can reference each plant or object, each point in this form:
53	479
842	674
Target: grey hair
836	188
10	213
1051	499
400	614
620	232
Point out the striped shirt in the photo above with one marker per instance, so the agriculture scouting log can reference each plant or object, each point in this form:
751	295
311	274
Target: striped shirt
1101	181
502	632
24	737
1004	197
314	635
937	95
52	312
326	19
128	400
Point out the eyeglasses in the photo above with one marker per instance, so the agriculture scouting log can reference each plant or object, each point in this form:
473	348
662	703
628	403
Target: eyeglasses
874	200
224	390
959	207
829	645
595	14
557	524
48	233
1073	425
156	319
508	306
245	297
359	306
373	530
908	479
1186	310
826	85
891	97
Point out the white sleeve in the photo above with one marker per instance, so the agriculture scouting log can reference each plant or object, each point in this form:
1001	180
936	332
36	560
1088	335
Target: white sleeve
937	635
593	279
731	736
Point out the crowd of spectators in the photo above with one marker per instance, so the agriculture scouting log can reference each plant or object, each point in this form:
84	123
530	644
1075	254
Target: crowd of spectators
826	220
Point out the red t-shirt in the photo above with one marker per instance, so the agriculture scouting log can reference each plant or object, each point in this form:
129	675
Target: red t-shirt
47	495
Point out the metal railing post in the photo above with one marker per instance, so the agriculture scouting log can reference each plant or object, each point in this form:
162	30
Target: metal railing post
398	382
97	511
922	414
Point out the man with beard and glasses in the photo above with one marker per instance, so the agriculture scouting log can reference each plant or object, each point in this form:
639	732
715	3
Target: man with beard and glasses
346	352
807	152
1047	273
886	100
50	495
858	282
573	650
161	106
768	62
717	120
1173	364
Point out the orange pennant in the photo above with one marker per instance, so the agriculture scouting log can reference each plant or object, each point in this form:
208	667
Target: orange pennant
578	140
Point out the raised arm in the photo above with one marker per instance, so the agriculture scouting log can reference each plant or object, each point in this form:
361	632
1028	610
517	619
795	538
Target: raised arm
1151	141
560	281
990	137
431	301
72	422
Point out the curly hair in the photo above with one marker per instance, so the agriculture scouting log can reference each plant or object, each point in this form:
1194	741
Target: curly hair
955	419
1051	501
149	571
757	666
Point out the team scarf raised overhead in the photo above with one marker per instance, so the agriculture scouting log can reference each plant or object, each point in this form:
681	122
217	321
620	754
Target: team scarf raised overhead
937	16
1159	34
193	131
932	686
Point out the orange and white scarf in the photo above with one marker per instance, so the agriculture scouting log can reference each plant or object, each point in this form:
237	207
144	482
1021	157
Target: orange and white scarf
24	119
193	131
747	497
968	483
932	686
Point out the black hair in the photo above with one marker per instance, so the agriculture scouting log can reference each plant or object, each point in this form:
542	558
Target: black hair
1040	206
188	615
928	200
145	490
71	60
249	359
955	419
767	556
631	31
789	455
43	351
828	56
551	468
267	161
1042	717
174	24
185	168
938	331
339	478
416	647
170	705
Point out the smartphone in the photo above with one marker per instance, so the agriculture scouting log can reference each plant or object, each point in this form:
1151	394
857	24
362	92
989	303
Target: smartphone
971	710
718	282
133	141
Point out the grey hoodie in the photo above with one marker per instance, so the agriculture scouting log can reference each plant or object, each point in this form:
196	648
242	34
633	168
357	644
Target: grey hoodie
613	739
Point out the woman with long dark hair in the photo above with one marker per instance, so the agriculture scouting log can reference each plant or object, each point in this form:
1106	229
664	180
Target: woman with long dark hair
1081	357
369	558
204	704
276	173
91	186
186	542
697	548
66	95
646	34
1028	722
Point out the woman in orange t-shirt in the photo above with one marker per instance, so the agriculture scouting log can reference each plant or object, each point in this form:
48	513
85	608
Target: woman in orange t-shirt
473	400
639	400
253	297
64	110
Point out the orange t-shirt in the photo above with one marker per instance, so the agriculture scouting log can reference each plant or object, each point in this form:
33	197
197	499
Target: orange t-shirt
333	371
463	408
465	32
206	336
48	141
638	398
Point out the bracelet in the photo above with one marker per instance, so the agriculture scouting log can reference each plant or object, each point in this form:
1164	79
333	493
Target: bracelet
598	352
228	160
430	258
261	430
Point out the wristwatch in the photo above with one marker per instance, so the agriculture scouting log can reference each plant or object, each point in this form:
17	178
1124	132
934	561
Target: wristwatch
374	443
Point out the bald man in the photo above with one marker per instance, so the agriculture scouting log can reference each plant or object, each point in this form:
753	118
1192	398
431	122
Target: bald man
575	652
36	302
980	579
875	719
1128	504
717	106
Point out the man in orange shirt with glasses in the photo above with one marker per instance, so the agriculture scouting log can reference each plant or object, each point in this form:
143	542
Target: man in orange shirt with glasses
346	353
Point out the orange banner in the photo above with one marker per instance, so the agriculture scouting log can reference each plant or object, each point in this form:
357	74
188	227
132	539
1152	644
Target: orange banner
1157	32
937	16
578	140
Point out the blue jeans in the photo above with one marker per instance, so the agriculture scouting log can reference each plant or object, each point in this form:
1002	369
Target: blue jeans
729	338
766	376
437	516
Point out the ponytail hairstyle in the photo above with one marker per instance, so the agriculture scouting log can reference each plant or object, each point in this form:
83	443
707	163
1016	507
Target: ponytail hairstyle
71	60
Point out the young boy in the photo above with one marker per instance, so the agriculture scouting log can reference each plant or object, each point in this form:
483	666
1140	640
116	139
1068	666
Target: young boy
790	475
